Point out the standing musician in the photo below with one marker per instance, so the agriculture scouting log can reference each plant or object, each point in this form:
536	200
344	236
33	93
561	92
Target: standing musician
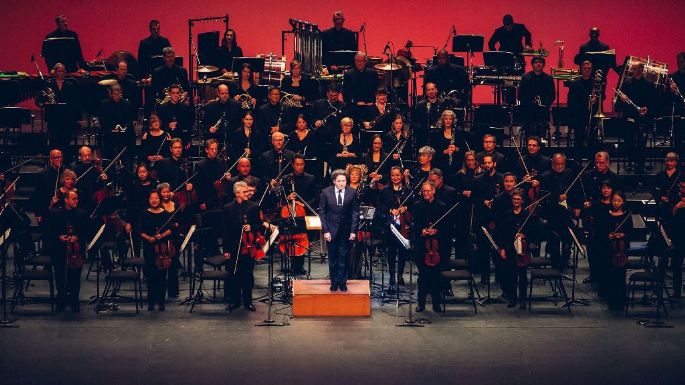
155	143
593	179
137	198
303	140
326	114
378	116
337	38
339	213
211	175
247	92
490	148
419	174
228	50
534	162
158	249
128	84
509	37
399	140
271	115
614	230
67	233
592	45
464	186
61	115
222	116
116	124
181	223
175	169
448	77
359	85
429	237
242	224
299	185
68	52
677	89
556	182
513	224
582	103
177	117
169	73
395	202
46	185
273	161
374	159
449	196
637	118
536	94
89	176
426	114
149	49
596	261
485	186
67	182
665	190
677	231
450	143
247	138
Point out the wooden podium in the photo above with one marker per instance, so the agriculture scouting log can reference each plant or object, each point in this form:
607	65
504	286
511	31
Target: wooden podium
313	298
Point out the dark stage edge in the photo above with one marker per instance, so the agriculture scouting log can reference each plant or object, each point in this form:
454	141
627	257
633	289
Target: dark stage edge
498	346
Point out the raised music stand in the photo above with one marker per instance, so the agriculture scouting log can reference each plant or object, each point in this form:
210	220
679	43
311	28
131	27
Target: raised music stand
342	58
468	44
256	63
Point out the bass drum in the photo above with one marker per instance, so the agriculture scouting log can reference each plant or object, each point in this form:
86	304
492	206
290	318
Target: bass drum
274	70
113	60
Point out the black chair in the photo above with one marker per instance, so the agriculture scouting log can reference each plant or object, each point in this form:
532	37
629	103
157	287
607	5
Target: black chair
650	279
113	282
24	276
207	275
555	277
461	274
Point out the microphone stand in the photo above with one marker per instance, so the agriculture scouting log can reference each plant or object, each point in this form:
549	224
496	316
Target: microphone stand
409	320
268	321
5	322
363	31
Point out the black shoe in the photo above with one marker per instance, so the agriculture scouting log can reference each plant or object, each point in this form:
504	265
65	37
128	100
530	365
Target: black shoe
161	306
437	308
589	279
512	303
302	272
420	308
449	292
522	306
334	287
343	287
401	281
250	307
233	306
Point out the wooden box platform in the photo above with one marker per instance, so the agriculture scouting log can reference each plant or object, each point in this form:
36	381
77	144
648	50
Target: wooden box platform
313	298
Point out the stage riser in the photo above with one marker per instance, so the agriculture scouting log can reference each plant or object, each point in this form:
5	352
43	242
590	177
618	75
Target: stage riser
313	298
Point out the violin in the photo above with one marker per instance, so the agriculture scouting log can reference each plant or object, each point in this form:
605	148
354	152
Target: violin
164	251
432	256
619	258
187	196
523	257
73	251
252	243
298	244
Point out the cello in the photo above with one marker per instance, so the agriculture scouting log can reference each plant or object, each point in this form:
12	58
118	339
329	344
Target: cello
296	244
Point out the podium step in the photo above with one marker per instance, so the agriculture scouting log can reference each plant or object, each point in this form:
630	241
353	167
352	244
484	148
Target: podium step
313	298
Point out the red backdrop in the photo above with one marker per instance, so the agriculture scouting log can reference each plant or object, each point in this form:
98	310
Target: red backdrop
632	27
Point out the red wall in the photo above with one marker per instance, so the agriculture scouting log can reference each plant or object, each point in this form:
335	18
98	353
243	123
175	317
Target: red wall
632	27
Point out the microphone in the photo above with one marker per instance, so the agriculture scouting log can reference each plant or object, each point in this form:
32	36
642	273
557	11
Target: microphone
363	27
387	47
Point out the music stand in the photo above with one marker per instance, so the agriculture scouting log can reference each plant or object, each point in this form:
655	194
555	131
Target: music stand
602	60
5	322
341	58
60	50
256	63
468	43
157	61
499	59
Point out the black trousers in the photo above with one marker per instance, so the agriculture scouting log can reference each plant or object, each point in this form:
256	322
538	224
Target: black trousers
428	282
397	258
616	287
241	282
512	276
67	282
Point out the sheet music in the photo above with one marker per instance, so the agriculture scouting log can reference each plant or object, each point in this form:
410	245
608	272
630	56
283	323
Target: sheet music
404	241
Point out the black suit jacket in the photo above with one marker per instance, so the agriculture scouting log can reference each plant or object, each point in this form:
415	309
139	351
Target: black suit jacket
336	219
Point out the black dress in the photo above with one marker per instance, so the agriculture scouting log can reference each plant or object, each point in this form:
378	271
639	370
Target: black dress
153	145
306	146
341	162
616	272
150	223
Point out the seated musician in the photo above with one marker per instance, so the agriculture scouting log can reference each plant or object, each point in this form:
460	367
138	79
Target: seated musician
67	233
360	84
299	85
222	116
241	219
244	173
128	84
271	115
326	114
116	124
177	117
490	148
426	236
378	116
419	174
536	94
398	141
69	53
274	161
303	140
155	143
247	92
449	140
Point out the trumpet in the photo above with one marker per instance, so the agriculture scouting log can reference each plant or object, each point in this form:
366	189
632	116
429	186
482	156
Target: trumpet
167	96
625	98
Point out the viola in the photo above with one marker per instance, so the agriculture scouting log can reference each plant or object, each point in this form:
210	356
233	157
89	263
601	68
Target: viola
432	256
297	244
523	257
164	251
73	251
252	243
618	252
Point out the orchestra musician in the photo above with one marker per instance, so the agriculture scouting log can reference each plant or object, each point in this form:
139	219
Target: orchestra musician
677	231
398	141
240	217
177	117
157	247
150	49
227	51
247	138
300	85
449	196
593	179
596	261
419	174
510	36
337	38
222	116
116	124
181	222
244	167
67	182
665	190
89	177
464	186
592	45
339	213
450	142
155	143
67	52
175	169
303	140
67	232
485	186
61	116
46	185
169	73
536	93
326	114
137	198
346	148
128	84
378	116
429	236
271	115
247	92
273	161
426	114
395	202
448	77
582	103
642	93
359	85
534	162
211	169
373	160
677	88
490	148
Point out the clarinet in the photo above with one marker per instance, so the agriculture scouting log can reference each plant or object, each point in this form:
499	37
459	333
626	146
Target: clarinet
451	143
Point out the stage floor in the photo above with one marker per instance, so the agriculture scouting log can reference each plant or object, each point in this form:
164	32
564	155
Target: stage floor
210	346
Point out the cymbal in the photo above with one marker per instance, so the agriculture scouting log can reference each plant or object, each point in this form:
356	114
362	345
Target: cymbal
205	81
108	82
403	61
206	69
387	67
